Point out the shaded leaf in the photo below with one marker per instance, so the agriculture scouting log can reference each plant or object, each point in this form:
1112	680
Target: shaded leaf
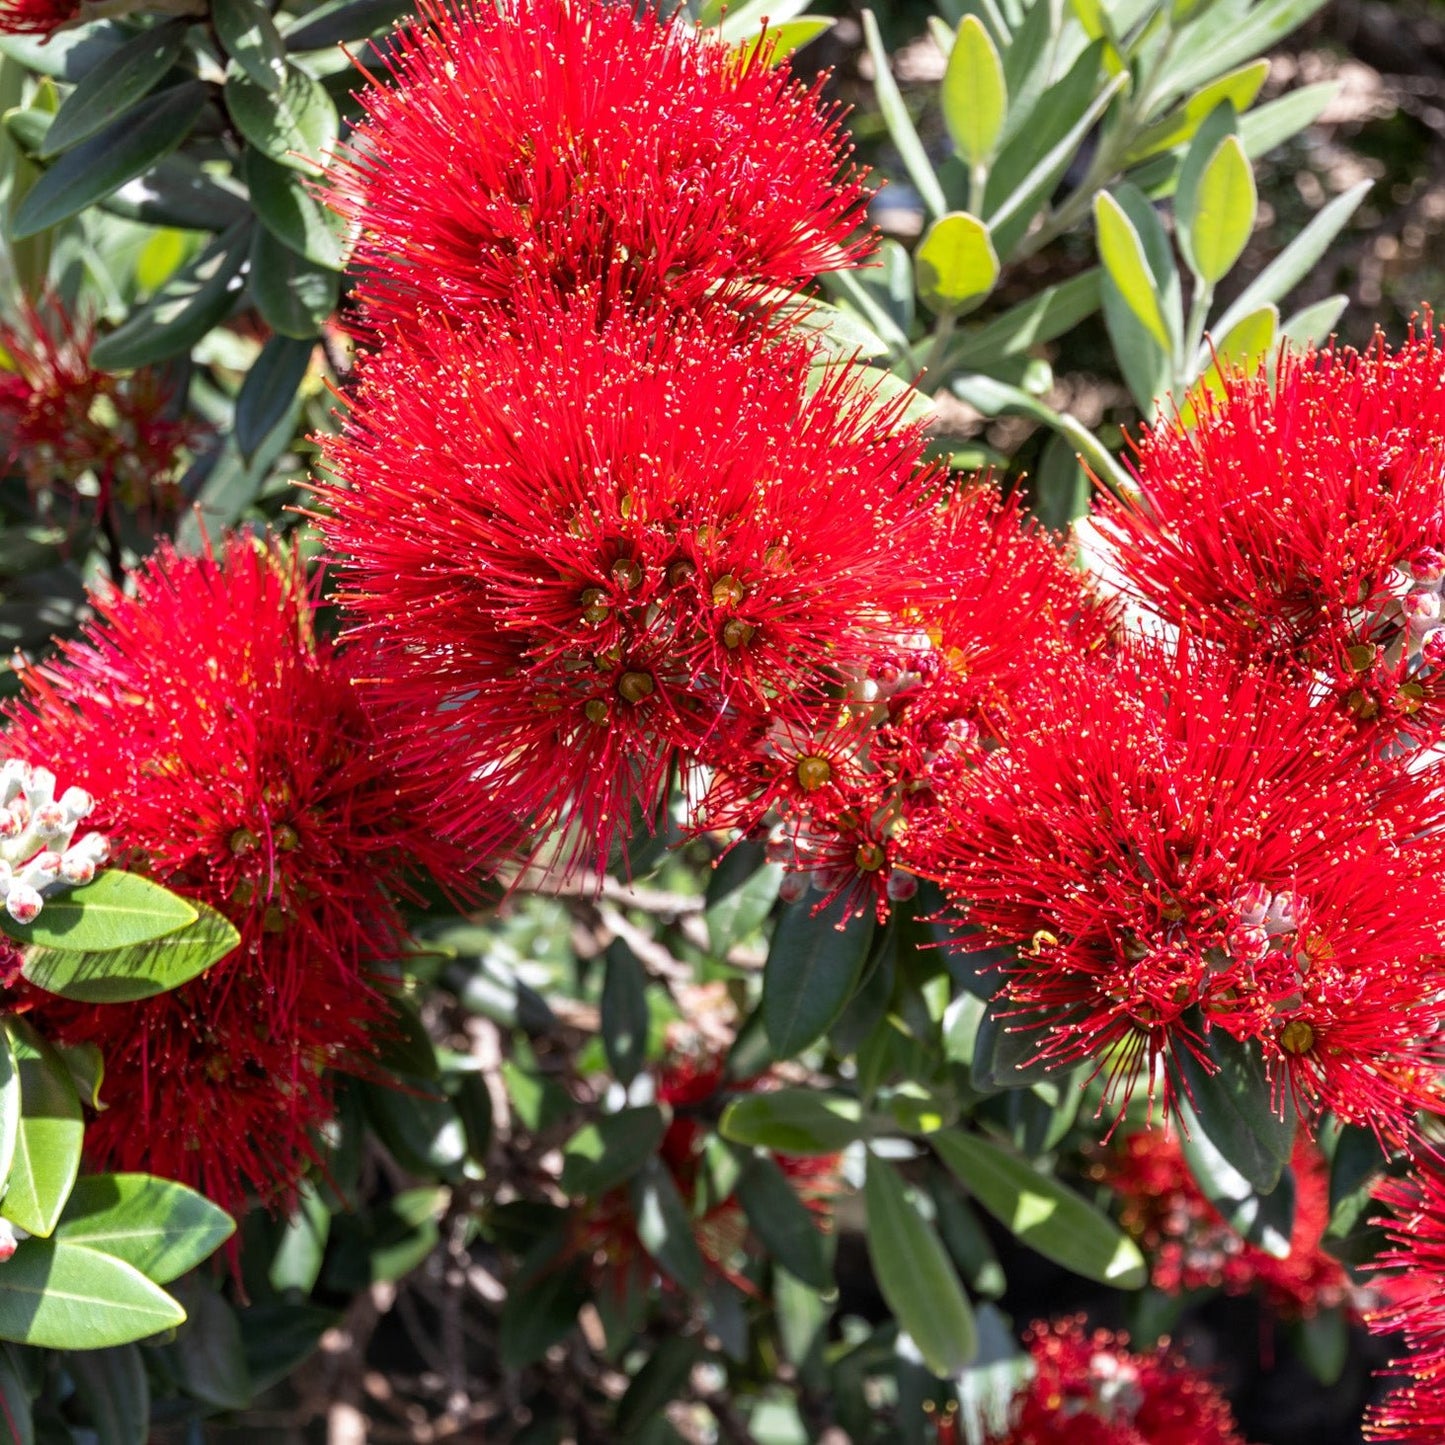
793	1121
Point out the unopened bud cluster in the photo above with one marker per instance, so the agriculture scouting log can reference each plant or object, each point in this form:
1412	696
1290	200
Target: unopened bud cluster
37	855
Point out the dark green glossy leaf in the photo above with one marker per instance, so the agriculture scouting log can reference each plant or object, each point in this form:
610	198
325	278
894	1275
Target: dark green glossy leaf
87	1071
177	192
419	1127
740	895
1047	1216
339	21
269	391
787	1227
534	1318
1323	1343
197	298
250	38
812	969
296	126
1355	1167
296	1263
69	54
113	1386
143	970
793	1121
155	1225
915	1274
624	1013
294	296
111	89
62	1297
277	1337
48	1140
291	213
661	1379
664	1226
105	162
208	1356
1233	1102
115	911
608	1152
1007	1047
1265	1219
17	1420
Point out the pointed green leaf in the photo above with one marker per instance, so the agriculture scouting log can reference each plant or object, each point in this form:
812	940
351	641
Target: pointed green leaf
155	1225
793	1121
296	126
294	296
105	162
140	971
1313	325
1122	253
1216	218
955	263
624	1013
608	1152
812	969
1239	88
1041	1213
1263	1217
974	95
787	1227
782	40
1249	341
116	911
900	124
112	1384
287	208
269	391
61	1297
250	37
337	21
664	1226
48	1140
915	1274
111	89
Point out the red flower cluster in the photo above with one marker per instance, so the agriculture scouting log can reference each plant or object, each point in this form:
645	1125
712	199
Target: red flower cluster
231	762
1177	845
692	1087
1414	1412
1089	1389
1189	1245
37	17
571	141
62	420
1299	519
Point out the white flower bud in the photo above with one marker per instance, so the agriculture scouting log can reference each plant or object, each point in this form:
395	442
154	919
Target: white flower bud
23	903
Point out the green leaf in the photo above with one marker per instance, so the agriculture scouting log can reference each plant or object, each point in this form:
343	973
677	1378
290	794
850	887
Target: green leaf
59	1296
664	1227
294	296
1271	125
1206	49
250	38
269	391
48	1140
609	1151
740	895
787	1227
208	1356
1297	259
1043	317
624	1012
70	54
1217	218
1239	88
116	911
900	125
154	1225
1264	1218
421	1129
287	208
278	1336
296	1263
1313	325
955	263
1323	1342
784	39
339	21
87	1071
1122	253
111	89
196	299
534	1318
915	1274
296	126
1049	1217
1233	1101
139	971
661	1379
9	1108
793	1121
1250	340
112	1384
105	162
17	1420
1355	1168
813	966
974	95
177	192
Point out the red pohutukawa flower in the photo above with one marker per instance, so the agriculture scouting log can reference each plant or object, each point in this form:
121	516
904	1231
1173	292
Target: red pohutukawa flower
1300	518
62	420
1189	1246
582	550
559	139
37	17
1176	846
1089	1389
1414	1412
844	788
232	762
